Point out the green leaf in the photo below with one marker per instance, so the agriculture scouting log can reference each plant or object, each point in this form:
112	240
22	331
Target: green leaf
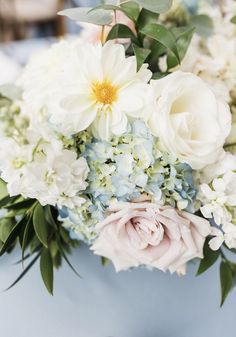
210	257
120	31
233	19
3	189
84	14
27	236
141	55
203	24
49	216
6	225
146	17
104	261
182	42
163	36
20	205
41	226
131	9
46	268
7	200
24	271
226	280
13	235
156	6
66	259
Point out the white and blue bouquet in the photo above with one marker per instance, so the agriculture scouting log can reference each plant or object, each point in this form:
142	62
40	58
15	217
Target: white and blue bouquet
124	138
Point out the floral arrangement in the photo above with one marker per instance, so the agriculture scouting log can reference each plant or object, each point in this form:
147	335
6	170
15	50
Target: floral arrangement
127	143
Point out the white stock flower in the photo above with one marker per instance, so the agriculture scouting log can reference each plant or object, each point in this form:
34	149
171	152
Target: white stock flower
57	179
189	119
217	198
43	170
226	234
78	86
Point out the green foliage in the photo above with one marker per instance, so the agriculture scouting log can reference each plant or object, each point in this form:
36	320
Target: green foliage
156	6
151	40
210	257
86	14
146	17
183	38
131	9
120	31
46	268
227	268
141	55
226	280
104	261
162	35
41	226
39	233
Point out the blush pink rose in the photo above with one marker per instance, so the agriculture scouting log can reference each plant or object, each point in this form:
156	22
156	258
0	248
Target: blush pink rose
146	234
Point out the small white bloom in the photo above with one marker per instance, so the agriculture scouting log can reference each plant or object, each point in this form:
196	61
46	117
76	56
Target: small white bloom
226	234
189	119
217	198
43	170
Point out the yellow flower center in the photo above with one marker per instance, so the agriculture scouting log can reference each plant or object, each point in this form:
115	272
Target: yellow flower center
104	92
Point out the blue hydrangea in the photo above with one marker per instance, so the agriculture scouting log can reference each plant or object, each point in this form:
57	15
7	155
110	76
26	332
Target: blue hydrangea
133	164
122	170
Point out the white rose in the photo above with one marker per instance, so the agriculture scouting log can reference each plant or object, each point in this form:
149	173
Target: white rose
189	119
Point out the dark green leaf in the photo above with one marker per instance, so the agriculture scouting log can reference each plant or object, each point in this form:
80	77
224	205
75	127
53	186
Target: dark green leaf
210	257
24	271
84	14
104	261
156	6
131	9
49	216
159	75
146	17
21	204
163	36
141	55
67	260
41	226
6	226
182	42
233	19
34	245
13	235
203	24
46	268
226	280
7	200
120	31
27	236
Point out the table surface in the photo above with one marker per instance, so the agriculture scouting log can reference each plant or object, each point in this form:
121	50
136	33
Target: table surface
103	303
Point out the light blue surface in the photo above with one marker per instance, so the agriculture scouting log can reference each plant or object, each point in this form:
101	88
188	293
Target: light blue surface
106	304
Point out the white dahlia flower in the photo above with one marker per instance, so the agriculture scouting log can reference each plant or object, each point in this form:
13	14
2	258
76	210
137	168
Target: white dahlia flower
78	86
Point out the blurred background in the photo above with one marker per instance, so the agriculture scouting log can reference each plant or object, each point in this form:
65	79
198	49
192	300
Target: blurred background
27	26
